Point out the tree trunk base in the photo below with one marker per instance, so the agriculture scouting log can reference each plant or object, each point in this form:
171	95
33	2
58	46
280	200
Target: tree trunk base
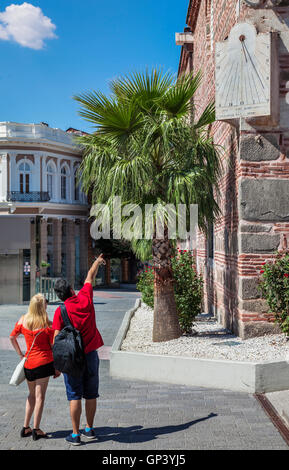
166	323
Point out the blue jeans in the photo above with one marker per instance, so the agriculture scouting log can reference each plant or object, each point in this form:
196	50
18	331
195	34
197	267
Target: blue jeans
85	386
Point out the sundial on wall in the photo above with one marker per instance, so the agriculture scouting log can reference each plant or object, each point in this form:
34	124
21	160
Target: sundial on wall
243	74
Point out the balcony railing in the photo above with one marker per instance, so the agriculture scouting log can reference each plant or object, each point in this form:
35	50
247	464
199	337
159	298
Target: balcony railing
33	196
45	286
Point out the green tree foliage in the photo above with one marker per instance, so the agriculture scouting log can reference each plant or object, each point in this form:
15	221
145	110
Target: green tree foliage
188	288
148	148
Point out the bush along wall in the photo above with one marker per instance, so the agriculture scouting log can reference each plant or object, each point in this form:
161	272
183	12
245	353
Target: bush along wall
274	286
188	286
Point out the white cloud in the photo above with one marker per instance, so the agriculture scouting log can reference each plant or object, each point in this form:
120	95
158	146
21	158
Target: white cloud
26	25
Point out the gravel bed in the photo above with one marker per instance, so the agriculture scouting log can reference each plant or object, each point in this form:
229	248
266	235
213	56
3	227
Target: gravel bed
210	341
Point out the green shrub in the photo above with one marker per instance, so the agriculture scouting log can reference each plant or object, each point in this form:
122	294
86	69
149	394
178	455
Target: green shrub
274	285
145	285
188	288
44	264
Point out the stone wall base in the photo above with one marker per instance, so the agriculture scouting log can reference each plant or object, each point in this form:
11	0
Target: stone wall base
252	329
248	329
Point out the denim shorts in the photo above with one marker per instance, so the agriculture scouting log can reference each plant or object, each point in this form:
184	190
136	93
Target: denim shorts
85	386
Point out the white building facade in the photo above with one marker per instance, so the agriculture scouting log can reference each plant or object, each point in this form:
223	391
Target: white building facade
43	213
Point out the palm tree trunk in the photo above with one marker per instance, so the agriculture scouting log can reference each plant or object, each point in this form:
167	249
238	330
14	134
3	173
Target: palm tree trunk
166	324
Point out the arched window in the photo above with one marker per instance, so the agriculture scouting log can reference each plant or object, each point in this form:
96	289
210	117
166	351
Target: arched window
64	182
76	184
24	177
50	172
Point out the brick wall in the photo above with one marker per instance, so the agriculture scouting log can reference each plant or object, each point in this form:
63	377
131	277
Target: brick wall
254	186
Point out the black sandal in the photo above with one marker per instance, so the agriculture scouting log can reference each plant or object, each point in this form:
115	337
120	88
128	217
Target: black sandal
25	434
36	436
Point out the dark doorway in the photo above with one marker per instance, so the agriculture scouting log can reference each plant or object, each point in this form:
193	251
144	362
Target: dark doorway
26	275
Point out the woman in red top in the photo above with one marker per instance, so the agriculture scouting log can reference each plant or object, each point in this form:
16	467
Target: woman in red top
39	365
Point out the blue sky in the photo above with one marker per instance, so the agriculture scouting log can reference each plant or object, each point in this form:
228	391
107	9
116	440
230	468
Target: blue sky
75	46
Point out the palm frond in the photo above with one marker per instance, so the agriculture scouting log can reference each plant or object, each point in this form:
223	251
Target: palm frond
142	249
117	119
147	146
177	101
207	117
143	88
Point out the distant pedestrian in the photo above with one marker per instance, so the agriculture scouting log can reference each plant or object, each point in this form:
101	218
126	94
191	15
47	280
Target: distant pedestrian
37	331
81	314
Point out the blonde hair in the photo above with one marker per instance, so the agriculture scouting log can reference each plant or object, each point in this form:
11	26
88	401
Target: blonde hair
37	317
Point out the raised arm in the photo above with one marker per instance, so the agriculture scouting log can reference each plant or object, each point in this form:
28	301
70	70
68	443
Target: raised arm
94	269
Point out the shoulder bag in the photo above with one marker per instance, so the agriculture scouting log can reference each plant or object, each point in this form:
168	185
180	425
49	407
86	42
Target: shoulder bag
18	375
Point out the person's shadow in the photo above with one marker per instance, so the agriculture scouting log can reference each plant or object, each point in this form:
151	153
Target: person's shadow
133	434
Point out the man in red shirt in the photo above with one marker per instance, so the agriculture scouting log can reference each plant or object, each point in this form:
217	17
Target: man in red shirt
81	313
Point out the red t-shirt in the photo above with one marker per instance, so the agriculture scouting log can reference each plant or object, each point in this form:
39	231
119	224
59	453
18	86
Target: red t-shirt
81	313
41	353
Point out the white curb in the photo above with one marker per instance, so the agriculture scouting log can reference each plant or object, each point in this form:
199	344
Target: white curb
250	377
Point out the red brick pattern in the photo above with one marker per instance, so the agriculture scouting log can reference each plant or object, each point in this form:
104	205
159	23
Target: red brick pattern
211	21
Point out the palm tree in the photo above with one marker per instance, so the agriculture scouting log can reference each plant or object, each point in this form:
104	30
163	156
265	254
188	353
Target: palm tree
147	148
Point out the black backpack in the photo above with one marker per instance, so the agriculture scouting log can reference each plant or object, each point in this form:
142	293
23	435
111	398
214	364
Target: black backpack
68	350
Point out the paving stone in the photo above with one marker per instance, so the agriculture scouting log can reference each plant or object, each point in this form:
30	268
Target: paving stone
134	415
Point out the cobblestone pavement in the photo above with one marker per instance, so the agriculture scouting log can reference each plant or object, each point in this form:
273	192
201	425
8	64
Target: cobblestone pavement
133	415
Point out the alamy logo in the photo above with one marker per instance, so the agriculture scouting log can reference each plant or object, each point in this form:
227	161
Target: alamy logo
130	221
